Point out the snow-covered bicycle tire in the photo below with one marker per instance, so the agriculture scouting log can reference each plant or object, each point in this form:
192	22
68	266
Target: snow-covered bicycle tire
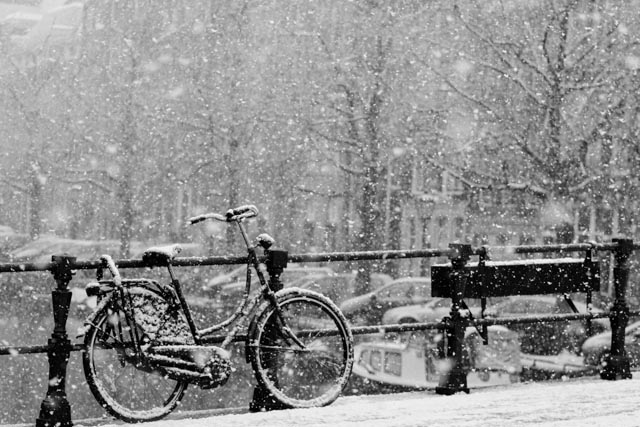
130	394
301	378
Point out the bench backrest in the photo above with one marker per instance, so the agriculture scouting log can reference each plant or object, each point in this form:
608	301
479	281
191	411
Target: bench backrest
521	277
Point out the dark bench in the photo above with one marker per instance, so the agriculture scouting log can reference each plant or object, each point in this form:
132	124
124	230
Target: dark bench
483	279
521	277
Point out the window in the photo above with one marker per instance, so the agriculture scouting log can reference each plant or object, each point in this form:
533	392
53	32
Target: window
458	227
424	289
376	360
393	363
364	357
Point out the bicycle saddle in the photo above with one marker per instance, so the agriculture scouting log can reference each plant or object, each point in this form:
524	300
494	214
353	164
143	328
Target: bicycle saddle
161	255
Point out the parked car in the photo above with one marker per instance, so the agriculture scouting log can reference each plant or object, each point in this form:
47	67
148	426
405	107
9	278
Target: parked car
294	273
431	311
289	275
370	307
545	338
340	286
301	281
237	274
596	349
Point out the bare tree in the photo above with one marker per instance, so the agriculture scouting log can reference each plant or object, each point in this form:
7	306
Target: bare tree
374	89
544	79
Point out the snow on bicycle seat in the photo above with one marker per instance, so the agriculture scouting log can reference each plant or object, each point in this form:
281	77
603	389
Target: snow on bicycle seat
161	255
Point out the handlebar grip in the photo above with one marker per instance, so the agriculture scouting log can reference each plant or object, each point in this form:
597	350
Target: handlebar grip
244	211
239	213
197	219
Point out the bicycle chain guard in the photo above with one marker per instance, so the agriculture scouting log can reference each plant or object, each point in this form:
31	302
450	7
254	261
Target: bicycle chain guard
173	349
205	366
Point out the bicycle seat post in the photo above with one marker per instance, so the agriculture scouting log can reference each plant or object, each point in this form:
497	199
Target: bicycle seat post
244	233
170	270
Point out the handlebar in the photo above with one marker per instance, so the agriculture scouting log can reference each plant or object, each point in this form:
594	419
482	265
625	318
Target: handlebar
111	265
204	217
235	214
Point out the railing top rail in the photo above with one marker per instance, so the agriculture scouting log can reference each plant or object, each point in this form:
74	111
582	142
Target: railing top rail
16	267
368	255
563	248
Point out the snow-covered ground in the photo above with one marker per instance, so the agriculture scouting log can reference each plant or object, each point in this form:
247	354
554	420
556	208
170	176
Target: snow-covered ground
576	403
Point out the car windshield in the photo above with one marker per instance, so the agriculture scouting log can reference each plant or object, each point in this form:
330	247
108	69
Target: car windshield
297	274
406	288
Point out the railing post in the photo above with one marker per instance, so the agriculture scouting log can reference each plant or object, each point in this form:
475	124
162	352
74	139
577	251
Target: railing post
263	400
55	409
455	380
617	363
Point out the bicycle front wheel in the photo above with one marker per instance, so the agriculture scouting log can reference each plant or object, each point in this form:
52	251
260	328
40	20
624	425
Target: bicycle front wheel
307	360
124	388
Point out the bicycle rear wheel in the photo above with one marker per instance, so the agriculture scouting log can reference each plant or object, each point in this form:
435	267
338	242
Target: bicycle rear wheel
125	389
314	374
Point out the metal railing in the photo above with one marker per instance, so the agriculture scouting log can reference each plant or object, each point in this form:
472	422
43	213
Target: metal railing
55	408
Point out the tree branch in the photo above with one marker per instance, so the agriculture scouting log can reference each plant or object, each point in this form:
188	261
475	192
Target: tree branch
467	96
89	181
14	185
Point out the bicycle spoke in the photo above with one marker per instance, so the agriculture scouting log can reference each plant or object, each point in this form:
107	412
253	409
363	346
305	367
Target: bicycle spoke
301	365
121	382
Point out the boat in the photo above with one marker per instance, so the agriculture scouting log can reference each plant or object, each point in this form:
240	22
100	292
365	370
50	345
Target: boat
416	363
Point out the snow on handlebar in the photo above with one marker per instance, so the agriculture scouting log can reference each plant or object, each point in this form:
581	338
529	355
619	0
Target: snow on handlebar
244	211
111	265
204	217
239	213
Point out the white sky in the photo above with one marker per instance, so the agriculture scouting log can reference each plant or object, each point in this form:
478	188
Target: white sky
573	403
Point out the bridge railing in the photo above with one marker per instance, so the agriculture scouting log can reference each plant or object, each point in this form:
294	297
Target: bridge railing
457	281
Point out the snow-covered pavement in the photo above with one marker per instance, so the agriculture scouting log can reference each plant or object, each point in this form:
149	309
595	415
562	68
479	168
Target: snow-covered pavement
572	403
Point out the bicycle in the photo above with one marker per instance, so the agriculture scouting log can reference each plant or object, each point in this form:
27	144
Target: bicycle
143	348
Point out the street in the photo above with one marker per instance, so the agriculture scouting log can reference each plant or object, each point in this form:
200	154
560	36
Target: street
576	402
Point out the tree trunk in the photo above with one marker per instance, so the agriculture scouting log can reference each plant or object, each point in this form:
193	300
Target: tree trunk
125	183
394	239
35	201
231	168
125	196
369	211
370	216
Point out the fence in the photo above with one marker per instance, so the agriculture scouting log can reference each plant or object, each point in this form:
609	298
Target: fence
457	281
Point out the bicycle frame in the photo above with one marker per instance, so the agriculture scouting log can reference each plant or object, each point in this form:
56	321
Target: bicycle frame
245	307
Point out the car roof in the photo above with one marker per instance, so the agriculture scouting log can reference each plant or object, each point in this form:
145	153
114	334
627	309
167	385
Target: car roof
302	271
416	307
